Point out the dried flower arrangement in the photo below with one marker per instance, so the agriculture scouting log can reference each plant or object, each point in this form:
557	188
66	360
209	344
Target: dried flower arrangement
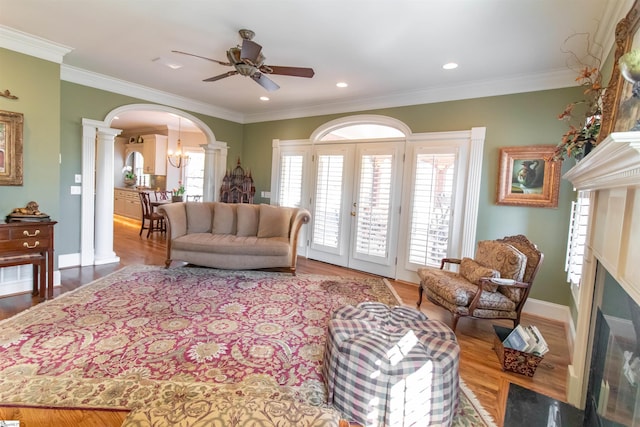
584	116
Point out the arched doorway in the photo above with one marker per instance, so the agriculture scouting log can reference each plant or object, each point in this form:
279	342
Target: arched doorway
96	246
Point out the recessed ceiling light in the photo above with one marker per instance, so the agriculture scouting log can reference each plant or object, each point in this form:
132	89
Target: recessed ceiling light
342	84
450	66
116	118
264	98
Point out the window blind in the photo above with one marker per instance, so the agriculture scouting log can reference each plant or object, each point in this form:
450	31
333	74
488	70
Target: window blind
374	203
432	206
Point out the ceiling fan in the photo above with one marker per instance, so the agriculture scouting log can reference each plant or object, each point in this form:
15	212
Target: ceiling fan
248	61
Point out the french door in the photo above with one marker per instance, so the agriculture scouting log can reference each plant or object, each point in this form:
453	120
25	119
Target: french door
374	211
355	205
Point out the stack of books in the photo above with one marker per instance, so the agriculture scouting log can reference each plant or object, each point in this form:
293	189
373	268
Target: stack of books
527	339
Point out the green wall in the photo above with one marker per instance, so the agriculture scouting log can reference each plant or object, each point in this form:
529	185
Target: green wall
36	83
511	120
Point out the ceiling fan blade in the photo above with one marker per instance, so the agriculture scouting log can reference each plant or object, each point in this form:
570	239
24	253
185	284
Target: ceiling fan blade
265	82
221	76
250	51
290	71
201	57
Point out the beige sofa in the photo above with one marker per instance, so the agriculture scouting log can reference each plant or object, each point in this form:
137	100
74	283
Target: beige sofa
233	236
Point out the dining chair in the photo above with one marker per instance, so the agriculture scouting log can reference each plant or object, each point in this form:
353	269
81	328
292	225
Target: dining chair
162	195
151	220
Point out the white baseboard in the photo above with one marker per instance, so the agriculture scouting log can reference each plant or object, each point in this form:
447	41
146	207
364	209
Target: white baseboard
69	260
23	284
548	310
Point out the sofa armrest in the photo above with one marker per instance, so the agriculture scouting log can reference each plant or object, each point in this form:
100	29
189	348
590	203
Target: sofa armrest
301	216
175	215
449	261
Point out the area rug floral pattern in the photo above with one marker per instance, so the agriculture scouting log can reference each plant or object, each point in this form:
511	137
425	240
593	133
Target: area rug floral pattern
187	346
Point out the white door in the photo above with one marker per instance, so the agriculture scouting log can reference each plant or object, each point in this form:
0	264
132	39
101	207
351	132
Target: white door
355	210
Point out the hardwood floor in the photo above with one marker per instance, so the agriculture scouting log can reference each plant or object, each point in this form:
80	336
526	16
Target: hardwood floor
479	367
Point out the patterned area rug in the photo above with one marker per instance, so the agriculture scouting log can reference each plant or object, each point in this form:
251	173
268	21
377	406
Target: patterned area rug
187	346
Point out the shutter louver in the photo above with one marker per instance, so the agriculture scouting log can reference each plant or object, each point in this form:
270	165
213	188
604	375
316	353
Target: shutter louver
290	194
432	207
328	201
374	203
577	238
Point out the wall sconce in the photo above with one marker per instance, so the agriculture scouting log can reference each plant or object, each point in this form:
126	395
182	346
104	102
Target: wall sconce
178	159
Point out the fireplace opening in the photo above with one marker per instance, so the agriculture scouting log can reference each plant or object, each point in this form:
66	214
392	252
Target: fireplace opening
613	393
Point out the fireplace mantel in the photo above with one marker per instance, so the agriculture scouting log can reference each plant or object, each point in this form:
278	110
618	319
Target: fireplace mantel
612	173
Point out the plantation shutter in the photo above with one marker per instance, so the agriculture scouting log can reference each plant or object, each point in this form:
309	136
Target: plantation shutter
328	200
577	238
374	204
290	188
432	207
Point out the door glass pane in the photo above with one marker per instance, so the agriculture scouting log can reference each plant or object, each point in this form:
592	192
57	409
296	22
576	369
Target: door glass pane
291	180
328	200
374	203
432	204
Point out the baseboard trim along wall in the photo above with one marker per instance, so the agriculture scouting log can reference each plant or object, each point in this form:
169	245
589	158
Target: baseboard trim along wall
19	280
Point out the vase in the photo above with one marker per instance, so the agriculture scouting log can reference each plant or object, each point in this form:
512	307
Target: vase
130	182
586	149
175	199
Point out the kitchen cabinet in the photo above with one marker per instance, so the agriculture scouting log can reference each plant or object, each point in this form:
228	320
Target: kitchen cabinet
127	203
154	151
155	154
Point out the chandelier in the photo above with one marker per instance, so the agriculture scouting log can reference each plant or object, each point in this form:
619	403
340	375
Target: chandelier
178	159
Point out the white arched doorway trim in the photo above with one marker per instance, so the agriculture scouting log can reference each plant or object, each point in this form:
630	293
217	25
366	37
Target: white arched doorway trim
98	140
360	119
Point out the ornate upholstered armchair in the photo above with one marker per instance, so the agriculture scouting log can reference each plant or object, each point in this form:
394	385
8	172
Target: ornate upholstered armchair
493	285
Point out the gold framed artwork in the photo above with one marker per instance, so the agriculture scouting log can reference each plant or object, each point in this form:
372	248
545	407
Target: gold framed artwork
528	177
621	111
11	148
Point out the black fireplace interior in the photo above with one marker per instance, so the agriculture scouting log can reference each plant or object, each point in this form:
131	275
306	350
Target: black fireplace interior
613	394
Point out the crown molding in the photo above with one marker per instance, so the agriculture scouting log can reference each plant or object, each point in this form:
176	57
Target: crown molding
32	45
478	89
100	81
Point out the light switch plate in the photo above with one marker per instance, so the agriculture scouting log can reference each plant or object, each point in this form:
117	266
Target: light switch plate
76	189
78	178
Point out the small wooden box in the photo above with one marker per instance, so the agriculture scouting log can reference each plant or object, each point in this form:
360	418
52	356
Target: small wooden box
513	360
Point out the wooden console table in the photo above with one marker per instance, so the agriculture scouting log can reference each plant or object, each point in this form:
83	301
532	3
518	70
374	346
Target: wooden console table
23	242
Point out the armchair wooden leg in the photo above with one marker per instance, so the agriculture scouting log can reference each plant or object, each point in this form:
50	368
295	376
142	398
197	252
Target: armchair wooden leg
420	291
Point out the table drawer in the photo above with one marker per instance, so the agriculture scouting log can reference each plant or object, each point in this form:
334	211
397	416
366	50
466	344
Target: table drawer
25	232
24	245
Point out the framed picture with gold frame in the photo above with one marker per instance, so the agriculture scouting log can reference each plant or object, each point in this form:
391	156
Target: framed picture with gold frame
621	110
11	148
528	177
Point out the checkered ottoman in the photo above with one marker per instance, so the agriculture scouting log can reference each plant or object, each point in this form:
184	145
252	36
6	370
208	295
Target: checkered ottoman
391	366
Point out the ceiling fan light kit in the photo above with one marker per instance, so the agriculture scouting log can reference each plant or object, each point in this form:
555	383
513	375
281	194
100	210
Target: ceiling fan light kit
248	61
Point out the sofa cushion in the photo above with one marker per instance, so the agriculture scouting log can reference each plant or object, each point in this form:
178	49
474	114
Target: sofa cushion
224	218
198	217
248	216
275	221
474	271
232	245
